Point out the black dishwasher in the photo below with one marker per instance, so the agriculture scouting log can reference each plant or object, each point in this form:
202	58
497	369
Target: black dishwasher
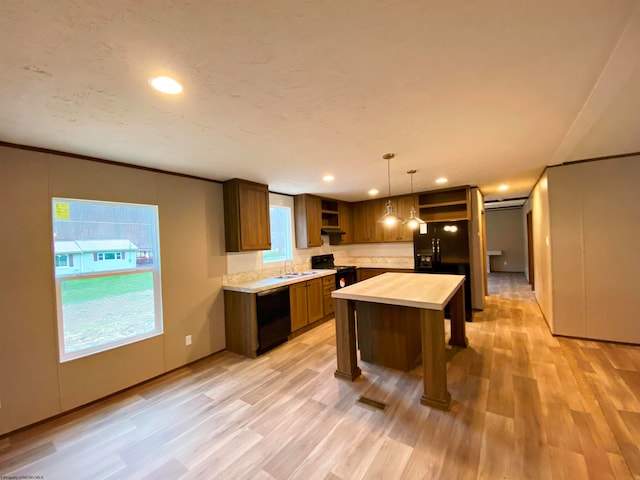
274	318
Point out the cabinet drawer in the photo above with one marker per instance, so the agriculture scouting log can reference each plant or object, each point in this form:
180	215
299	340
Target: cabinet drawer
328	290
329	280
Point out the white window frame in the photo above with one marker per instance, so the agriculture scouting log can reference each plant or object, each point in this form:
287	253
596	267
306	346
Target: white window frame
276	201
157	287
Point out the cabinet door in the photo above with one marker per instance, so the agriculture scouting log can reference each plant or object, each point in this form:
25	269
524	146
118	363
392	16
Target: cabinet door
345	216
298	304
376	210
255	229
366	228
315	299
308	215
359	234
314	221
246	216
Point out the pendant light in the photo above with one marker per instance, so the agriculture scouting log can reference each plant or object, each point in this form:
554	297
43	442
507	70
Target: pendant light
389	218
413	221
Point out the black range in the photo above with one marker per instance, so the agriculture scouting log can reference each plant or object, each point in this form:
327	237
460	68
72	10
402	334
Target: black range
346	274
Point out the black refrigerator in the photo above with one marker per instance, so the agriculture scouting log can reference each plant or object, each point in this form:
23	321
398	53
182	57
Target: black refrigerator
443	247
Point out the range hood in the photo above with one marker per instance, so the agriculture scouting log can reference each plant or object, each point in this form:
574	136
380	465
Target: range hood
332	231
335	234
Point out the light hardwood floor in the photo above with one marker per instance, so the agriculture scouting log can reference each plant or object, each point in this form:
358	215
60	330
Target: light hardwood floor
525	405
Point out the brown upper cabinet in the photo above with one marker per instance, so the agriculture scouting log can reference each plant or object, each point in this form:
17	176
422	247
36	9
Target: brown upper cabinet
445	205
400	232
308	217
313	214
246	216
359	220
345	212
366	228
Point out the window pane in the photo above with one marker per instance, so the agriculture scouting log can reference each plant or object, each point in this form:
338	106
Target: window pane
62	260
281	238
101	310
105	296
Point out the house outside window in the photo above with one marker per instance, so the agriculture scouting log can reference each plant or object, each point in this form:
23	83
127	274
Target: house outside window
104	297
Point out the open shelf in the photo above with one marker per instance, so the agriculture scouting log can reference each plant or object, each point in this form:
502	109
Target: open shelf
445	205
329	212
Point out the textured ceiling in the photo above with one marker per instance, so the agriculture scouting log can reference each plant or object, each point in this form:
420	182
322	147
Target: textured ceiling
284	92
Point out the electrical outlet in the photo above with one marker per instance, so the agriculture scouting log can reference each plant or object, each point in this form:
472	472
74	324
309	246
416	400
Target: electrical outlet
505	263
187	340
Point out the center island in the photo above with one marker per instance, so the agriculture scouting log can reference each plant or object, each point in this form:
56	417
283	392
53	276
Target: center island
420	295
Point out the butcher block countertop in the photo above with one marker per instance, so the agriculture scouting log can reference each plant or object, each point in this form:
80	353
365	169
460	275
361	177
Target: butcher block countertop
418	290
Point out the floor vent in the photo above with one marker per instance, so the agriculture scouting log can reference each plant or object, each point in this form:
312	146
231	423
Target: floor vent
372	403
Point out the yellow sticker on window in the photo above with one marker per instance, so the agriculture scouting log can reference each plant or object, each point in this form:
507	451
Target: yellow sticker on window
61	211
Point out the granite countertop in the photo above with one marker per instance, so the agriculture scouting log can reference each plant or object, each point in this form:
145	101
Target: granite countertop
416	290
264	284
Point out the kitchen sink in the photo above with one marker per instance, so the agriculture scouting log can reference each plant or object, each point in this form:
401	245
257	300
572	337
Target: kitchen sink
296	275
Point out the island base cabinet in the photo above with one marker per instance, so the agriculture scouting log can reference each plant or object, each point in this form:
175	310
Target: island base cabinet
430	306
389	335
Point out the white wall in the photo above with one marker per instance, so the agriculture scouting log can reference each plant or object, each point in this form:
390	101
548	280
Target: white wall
505	231
595	246
538	204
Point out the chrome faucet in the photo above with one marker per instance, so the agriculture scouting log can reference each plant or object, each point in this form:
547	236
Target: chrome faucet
290	269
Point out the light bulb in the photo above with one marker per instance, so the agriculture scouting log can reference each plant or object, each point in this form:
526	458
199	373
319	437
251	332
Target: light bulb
166	85
390	221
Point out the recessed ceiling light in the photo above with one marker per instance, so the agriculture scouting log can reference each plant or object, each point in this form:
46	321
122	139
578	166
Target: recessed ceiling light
328	178
166	85
442	180
503	187
373	191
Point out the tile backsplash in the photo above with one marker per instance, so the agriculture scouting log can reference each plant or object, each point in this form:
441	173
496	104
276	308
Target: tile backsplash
249	266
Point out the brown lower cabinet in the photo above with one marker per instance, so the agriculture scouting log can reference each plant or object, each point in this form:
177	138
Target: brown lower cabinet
364	273
307	303
328	286
241	325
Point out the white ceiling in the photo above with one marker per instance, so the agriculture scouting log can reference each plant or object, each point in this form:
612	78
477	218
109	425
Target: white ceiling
284	92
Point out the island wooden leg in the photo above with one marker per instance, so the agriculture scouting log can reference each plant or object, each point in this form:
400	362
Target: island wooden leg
458	319
346	340
434	361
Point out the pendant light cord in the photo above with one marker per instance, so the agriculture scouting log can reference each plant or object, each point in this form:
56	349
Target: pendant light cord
389	175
